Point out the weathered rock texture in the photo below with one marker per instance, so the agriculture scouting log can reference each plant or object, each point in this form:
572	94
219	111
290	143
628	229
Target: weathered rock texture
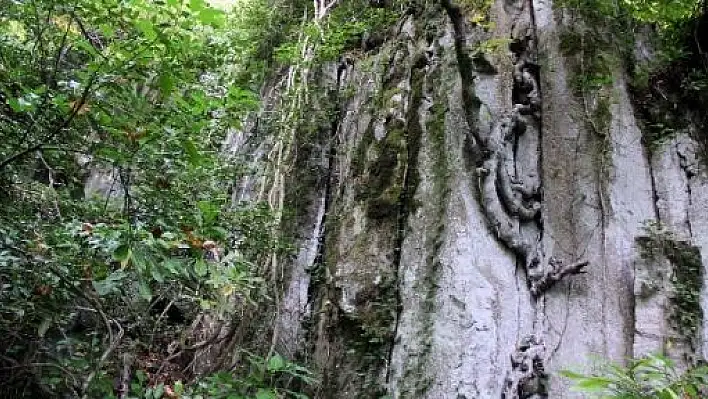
465	232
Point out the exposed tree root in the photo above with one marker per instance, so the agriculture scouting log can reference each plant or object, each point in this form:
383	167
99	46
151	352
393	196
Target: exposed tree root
507	202
528	378
555	272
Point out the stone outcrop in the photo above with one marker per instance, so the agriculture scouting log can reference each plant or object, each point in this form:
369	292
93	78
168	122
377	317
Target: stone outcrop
464	232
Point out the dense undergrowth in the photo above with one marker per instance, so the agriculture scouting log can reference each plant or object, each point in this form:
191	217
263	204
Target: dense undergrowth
120	245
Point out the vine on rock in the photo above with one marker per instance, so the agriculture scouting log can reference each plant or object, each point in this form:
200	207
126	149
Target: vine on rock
510	191
510	204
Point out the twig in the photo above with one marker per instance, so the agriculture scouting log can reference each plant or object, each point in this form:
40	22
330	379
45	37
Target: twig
50	177
102	360
56	131
93	40
157	322
124	384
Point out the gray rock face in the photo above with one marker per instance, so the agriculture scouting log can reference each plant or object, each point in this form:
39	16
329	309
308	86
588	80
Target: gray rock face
441	249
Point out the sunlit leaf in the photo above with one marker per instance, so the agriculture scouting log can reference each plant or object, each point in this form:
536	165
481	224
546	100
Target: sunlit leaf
276	363
44	326
266	394
201	268
144	290
146	28
110	284
210	16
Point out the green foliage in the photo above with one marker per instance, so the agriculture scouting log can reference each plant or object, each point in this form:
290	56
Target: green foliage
477	11
652	377
345	28
686	276
260	381
617	22
665	13
140	95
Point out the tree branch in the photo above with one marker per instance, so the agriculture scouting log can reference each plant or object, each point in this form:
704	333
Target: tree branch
55	132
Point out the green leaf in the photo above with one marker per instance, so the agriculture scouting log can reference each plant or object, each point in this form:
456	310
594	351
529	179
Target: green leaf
110	284
146	28
158	391
572	375
157	275
266	394
106	30
122	253
210	16
197	5
276	363
142	260
44	326
141	376
201	268
208	210
219	232
174	266
167	84
193	155
594	384
20	104
144	291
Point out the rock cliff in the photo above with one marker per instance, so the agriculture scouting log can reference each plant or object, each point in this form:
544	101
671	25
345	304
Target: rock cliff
469	222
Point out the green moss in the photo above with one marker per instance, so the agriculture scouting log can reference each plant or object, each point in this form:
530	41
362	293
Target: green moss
687	280
570	43
477	11
427	284
413	138
381	185
656	94
384	206
602	114
312	129
591	63
386	179
686	277
360	159
599	123
591	54
376	318
387	97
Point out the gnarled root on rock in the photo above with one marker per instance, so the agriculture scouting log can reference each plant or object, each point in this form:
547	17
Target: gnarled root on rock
504	226
503	198
527	378
555	272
